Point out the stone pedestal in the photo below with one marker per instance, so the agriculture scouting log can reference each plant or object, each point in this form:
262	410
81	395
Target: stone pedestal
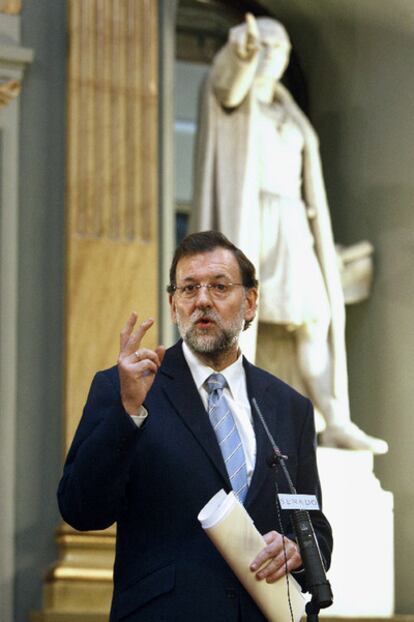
361	515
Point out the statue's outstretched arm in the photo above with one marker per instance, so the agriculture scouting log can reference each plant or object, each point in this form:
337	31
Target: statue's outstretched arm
234	66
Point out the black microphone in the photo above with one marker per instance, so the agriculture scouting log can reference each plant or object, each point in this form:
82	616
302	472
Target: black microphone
317	582
316	579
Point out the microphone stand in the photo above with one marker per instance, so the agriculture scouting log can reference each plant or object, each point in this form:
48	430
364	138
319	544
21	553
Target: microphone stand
318	585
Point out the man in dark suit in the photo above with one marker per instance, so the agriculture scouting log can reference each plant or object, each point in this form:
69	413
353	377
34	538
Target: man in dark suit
146	456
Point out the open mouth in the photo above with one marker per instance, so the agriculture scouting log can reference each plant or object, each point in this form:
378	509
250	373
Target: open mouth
204	322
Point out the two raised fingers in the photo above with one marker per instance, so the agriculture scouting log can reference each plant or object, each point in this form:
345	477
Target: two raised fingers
130	341
131	355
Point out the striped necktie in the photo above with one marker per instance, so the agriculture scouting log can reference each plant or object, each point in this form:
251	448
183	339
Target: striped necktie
228	438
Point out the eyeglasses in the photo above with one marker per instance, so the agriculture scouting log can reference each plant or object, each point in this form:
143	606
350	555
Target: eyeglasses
217	291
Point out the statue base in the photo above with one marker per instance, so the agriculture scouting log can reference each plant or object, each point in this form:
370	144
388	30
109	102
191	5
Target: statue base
78	588
361	515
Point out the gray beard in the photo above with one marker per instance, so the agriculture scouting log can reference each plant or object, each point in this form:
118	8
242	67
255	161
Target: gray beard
200	342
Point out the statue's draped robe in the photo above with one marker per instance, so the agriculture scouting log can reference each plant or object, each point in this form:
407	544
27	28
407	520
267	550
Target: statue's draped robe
227	193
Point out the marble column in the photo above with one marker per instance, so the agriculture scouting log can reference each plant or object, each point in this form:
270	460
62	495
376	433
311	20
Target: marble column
111	243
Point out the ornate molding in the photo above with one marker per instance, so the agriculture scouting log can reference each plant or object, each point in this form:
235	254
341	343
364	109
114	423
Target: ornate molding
9	90
11	7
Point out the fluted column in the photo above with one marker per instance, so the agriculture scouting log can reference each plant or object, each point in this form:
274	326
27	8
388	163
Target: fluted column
111	247
111	183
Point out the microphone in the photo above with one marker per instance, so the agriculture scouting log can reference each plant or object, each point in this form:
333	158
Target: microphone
318	584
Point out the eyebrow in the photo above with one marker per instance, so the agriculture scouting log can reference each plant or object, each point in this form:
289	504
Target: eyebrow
216	276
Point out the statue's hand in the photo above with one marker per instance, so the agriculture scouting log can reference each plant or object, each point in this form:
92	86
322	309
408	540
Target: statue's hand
245	38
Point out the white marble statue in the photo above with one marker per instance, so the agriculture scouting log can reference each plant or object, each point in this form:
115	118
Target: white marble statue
259	180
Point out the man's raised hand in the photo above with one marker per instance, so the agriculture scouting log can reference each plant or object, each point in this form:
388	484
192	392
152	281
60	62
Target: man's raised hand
137	366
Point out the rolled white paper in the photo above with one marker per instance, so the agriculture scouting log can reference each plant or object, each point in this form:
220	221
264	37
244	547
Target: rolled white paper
232	531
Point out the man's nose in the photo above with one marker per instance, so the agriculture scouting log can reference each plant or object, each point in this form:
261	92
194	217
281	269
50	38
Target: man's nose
203	297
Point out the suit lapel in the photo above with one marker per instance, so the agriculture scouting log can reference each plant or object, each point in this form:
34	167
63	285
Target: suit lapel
182	393
179	387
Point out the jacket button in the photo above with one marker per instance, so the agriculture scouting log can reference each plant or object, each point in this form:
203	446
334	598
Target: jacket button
231	592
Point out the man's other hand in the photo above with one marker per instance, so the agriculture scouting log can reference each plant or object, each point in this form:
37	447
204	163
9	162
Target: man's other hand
270	563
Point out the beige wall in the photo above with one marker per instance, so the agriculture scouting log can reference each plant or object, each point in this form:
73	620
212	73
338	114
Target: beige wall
357	57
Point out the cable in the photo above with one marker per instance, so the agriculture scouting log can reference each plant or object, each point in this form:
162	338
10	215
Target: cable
282	533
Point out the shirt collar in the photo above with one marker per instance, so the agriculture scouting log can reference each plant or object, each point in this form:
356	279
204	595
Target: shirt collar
234	373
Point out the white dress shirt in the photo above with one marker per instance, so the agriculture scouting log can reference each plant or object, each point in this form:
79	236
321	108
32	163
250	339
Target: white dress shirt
236	396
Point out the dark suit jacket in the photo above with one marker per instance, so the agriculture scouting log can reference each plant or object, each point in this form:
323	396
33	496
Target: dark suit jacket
154	480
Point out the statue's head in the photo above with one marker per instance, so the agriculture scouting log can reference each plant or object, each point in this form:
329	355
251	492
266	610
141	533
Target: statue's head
275	48
273	40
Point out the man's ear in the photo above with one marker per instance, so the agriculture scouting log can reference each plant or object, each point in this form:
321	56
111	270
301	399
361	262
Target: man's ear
251	306
173	308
